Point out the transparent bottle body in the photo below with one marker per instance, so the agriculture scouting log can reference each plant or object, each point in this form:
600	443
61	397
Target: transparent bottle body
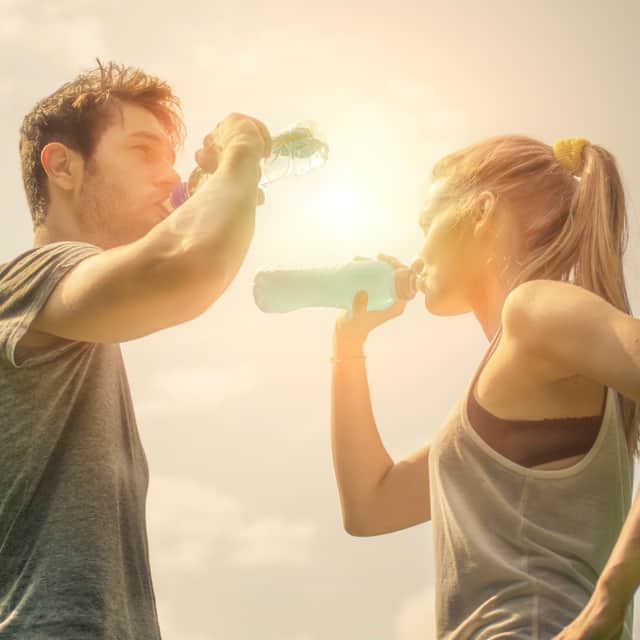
284	290
295	151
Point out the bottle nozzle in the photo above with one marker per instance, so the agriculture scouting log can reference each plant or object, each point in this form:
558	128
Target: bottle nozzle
405	284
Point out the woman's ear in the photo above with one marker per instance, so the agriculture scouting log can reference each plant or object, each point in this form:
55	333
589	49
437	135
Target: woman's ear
482	210
487	201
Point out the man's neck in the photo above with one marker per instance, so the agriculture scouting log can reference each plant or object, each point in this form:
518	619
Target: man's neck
41	237
47	233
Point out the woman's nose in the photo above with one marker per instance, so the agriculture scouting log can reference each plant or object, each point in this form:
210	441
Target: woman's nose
417	266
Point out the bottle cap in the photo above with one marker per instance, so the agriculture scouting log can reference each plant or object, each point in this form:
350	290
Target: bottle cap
405	284
178	195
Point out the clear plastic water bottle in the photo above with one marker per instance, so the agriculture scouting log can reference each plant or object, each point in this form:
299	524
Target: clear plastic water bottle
295	151
283	290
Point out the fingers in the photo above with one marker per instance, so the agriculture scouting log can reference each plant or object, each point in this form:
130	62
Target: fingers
394	310
359	303
417	265
265	135
391	260
208	140
250	129
241	119
358	307
208	158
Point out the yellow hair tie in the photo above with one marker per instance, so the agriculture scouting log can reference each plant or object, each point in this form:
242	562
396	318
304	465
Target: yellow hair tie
568	152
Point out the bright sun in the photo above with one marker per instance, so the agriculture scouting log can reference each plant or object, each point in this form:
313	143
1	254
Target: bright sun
344	208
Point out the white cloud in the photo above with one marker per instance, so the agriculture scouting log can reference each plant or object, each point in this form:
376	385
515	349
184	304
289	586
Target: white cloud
7	86
248	61
11	27
420	104
10	5
186	522
273	541
61	32
416	617
199	387
190	522
171	628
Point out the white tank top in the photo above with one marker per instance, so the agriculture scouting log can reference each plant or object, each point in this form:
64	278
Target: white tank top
517	550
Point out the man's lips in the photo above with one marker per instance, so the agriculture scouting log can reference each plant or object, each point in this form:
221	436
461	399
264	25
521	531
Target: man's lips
166	205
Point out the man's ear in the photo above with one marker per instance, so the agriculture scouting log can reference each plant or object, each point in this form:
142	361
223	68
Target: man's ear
62	165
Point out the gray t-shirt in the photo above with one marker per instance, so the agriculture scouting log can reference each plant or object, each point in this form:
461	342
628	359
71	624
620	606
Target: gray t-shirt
74	562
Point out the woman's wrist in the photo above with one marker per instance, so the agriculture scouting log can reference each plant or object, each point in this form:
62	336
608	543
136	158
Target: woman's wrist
343	352
350	348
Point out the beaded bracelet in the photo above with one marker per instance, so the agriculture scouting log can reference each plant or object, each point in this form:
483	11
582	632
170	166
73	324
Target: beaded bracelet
334	360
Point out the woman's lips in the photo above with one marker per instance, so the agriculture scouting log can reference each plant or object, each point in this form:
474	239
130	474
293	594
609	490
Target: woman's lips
424	282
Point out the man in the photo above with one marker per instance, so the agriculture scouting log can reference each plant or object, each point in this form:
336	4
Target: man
107	265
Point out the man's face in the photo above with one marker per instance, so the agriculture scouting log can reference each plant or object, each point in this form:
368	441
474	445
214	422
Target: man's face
127	178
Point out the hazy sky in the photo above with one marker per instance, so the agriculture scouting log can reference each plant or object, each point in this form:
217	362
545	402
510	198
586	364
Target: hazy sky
233	408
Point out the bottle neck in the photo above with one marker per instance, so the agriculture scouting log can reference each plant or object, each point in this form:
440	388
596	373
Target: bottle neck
406	284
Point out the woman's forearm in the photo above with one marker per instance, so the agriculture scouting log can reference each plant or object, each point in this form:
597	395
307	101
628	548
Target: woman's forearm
360	460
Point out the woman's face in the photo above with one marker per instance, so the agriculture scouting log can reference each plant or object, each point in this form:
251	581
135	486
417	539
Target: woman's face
452	256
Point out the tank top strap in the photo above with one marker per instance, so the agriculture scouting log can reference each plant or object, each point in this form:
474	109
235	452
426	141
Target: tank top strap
490	349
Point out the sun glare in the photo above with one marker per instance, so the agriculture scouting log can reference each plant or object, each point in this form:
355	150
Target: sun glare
345	211
346	208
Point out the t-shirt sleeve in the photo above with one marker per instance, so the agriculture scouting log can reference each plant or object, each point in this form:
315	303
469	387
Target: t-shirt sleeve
26	282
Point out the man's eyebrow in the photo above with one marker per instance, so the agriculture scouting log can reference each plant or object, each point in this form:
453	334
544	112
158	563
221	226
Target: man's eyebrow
158	139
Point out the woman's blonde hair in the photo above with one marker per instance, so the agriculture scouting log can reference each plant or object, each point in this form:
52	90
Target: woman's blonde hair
572	216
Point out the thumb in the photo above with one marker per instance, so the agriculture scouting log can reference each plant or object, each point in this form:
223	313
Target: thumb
360	300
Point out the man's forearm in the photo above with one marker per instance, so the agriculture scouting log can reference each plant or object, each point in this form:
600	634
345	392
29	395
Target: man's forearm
214	227
621	575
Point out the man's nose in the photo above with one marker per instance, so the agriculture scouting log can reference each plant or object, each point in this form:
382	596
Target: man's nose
169	178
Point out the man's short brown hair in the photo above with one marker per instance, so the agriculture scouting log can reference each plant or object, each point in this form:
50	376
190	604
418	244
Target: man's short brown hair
79	111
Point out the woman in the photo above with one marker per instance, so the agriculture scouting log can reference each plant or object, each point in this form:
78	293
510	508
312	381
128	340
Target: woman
529	479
